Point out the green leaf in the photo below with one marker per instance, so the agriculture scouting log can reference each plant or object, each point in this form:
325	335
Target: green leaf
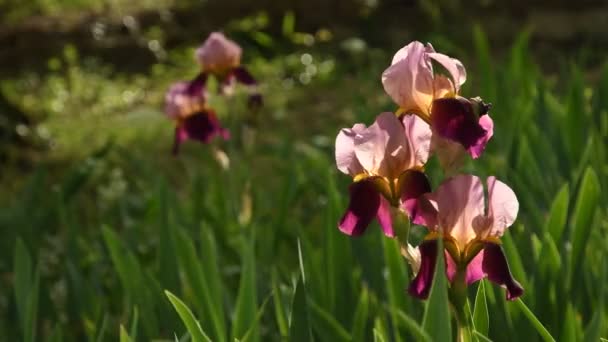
411	325
326	325
481	337
27	283
380	333
549	259
587	202
258	317
437	319
169	277
134	323
487	76
23	279
201	274
570	329
299	326
594	329
511	251
481	319
262	38
289	24
396	278
361	315
192	325
542	331
279	307
135	284
246	302
338	260
558	214
124	335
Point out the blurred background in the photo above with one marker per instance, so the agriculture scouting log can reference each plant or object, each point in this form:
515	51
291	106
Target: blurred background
97	217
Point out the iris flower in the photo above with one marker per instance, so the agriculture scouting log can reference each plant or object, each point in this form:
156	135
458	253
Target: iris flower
185	102
414	85
221	57
456	212
385	161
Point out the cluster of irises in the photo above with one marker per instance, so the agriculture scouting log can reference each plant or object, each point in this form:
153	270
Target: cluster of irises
387	160
186	102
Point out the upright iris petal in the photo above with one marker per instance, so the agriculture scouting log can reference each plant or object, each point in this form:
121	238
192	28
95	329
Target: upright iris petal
413	84
185	103
385	160
218	54
456	212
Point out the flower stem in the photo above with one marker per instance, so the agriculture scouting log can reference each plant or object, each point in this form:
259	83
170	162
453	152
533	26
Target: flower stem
458	298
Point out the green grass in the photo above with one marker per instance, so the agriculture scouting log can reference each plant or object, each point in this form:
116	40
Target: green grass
122	240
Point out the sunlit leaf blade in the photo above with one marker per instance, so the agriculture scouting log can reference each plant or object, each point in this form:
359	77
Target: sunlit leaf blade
299	326
411	325
326	325
481	318
481	337
437	318
258	316
396	279
338	260
594	329
26	291
542	331
358	329
134	282
200	273
570	330
558	214
124	335
196	332
582	218
246	302
166	251
380	332
279	307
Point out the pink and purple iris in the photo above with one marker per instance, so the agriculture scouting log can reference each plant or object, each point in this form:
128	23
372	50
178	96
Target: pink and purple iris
456	213
413	83
387	159
186	104
221	57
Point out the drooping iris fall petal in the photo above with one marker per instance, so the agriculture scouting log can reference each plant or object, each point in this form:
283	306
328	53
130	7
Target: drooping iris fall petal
412	185
366	203
496	268
420	286
202	126
455	119
242	76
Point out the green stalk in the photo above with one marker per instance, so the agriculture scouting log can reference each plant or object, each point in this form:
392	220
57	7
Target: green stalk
458	298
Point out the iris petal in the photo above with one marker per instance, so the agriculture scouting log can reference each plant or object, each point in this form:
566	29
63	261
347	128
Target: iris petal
421	285
495	266
455	119
202	126
362	208
412	185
